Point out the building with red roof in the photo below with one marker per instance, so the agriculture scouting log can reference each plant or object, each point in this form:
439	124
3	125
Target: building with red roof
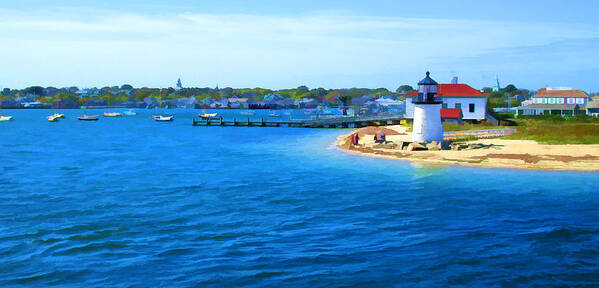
471	102
451	115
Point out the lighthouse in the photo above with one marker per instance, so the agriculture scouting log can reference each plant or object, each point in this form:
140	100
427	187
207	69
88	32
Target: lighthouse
427	112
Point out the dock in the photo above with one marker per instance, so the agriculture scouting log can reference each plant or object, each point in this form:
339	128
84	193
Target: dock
337	122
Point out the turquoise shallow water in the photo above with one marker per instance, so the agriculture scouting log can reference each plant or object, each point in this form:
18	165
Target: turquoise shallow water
132	202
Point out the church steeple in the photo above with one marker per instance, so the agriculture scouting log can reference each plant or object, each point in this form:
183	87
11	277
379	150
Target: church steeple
179	85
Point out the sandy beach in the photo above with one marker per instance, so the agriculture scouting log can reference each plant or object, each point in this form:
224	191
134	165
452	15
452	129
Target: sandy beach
495	153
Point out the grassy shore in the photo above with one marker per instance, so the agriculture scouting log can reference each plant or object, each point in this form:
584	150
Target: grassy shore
545	129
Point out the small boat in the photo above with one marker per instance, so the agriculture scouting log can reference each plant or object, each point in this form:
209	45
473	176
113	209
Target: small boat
88	118
112	114
129	113
161	118
249	112
53	118
4	118
57	116
274	115
206	115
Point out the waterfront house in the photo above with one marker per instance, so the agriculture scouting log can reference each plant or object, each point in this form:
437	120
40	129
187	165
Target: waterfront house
237	102
308	103
593	107
36	104
86	93
562	101
451	115
11	104
471	102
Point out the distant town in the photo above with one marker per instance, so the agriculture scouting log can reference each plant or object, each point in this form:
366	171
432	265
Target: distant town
460	101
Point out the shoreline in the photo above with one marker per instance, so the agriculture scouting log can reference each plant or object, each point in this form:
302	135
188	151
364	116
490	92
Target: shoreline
510	154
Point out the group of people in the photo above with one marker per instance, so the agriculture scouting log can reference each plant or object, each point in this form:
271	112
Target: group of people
381	139
355	138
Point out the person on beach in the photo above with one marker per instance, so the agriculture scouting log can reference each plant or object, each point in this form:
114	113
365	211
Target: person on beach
356	139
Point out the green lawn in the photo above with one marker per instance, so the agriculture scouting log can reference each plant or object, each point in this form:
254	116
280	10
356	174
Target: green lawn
557	132
545	130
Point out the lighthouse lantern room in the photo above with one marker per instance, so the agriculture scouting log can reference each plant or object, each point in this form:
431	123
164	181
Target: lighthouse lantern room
427	113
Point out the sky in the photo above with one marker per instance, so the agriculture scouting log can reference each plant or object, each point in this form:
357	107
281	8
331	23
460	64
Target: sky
285	44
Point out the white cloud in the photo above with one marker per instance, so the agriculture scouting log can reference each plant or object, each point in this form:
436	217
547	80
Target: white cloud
325	49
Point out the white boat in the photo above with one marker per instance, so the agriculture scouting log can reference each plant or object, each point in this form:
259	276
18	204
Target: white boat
274	114
4	118
161	118
129	113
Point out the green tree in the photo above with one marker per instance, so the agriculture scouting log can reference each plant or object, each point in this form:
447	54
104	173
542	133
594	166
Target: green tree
303	88
404	89
126	87
509	88
35	90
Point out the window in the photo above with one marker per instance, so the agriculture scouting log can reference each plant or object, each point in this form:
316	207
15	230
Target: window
560	100
544	100
570	100
458	105
579	100
471	108
444	105
551	100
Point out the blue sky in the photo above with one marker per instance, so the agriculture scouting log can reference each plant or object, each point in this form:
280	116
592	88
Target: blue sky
283	44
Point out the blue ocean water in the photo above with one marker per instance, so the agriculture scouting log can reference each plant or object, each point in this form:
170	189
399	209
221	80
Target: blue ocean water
132	202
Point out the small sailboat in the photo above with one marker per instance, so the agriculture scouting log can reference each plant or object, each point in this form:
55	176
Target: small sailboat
56	114
88	118
112	114
274	114
160	117
3	118
53	118
129	113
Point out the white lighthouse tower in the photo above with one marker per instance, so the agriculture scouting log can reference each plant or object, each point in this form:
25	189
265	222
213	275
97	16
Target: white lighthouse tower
427	112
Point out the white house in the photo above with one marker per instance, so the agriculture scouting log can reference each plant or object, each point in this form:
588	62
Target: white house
563	101
472	102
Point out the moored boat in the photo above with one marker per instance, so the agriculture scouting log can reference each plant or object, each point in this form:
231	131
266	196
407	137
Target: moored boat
5	118
129	113
207	115
53	118
161	118
88	118
112	114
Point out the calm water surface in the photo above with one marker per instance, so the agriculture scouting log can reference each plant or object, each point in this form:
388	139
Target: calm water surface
132	202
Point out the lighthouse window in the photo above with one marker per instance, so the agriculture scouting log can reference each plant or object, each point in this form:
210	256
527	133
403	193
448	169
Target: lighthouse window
444	105
471	108
458	105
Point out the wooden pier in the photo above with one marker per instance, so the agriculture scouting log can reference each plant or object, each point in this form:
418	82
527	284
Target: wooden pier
339	122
